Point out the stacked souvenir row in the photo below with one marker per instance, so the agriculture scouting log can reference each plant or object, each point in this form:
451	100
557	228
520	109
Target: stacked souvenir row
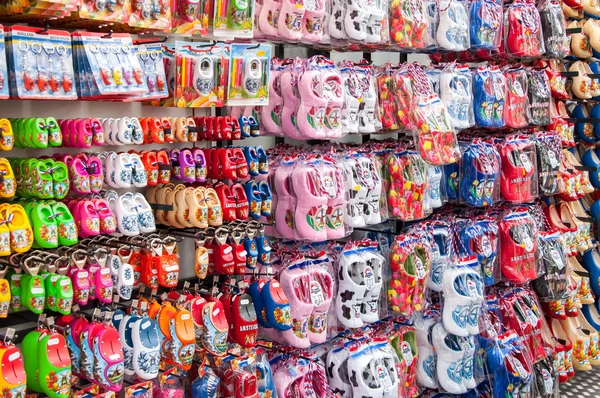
86	133
114	347
388	179
360	98
58	280
222	17
131	341
438	273
55	64
422	26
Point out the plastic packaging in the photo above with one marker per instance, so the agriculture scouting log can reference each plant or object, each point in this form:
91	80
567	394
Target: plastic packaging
151	15
485	24
112	64
42	64
234	18
410	264
249	74
540	98
517	109
453	30
554	26
549	159
151	59
455	85
408	24
433	133
518	247
201	75
3	67
407	186
518	182
523	30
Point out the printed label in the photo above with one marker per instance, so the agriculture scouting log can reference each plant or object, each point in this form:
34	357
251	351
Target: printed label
369	277
558	261
420	268
407	353
526	162
316	293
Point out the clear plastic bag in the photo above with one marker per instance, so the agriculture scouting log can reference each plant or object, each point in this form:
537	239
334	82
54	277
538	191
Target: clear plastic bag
540	98
480	174
455	88
518	182
517	113
453	29
518	247
485	24
549	158
554	26
407	186
408	24
523	30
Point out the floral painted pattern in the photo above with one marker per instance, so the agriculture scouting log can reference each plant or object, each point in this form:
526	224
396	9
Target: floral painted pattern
49	233
125	176
96	183
21	238
108	224
9	187
300	328
93	224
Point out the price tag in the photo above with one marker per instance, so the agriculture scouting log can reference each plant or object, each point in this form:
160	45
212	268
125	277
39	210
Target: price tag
420	268
558	261
381	373
316	293
407	353
369	277
526	162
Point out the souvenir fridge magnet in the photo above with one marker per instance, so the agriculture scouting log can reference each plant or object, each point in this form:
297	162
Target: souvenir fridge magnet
201	74
233	18
249	74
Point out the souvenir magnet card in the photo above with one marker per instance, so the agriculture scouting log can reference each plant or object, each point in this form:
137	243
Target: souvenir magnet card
249	74
233	18
3	67
150	58
192	17
112	62
106	10
151	14
201	76
42	63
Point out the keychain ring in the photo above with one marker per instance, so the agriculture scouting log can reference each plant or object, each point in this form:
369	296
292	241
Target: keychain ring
61	49
36	47
94	48
144	56
153	54
104	49
114	48
23	46
49	50
126	49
